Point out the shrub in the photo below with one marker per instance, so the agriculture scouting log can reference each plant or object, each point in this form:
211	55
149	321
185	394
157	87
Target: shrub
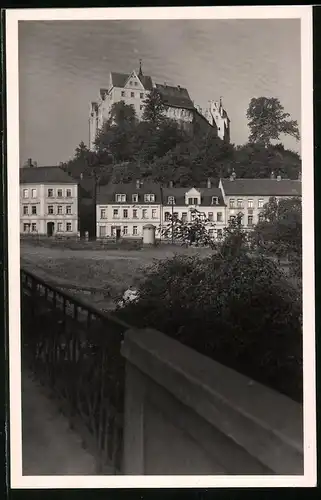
240	310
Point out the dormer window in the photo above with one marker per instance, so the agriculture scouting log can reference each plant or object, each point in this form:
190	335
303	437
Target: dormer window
120	198
149	198
214	200
193	201
135	198
171	200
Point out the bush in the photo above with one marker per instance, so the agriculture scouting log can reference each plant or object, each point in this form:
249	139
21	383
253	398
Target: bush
239	310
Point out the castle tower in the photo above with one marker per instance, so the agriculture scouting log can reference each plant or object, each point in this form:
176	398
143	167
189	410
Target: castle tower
221	119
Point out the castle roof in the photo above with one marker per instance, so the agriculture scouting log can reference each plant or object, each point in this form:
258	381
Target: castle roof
262	187
45	175
177	97
120	79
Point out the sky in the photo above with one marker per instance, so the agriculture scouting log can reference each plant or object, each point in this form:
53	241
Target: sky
63	64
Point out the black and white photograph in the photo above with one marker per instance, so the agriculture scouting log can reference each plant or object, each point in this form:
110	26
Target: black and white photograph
161	247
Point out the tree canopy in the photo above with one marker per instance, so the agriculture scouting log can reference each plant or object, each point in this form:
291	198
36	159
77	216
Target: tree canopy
267	120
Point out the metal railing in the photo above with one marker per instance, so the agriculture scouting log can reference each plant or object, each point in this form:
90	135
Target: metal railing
74	351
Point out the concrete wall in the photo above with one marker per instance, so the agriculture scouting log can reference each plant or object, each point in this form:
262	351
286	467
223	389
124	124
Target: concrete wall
187	414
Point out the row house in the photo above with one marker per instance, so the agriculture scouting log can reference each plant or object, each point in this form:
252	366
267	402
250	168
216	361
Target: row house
48	201
248	196
207	201
124	209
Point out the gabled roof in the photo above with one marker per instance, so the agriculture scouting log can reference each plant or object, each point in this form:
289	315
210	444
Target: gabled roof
206	196
120	79
107	194
45	175
177	97
262	187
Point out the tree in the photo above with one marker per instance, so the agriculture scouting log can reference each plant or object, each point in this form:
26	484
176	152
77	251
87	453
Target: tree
280	232
197	231
267	121
154	107
235	239
121	114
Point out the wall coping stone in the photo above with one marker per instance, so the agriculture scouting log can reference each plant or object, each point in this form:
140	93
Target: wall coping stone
267	424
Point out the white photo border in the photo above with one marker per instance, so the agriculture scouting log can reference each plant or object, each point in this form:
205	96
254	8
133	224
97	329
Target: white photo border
304	13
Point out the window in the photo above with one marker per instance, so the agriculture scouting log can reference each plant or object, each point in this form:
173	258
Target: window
25	193
68	226
232	203
192	201
261	217
50	209
26	228
144	213
239	203
68	193
125	230
260	203
175	215
214	200
135	83
68	209
123	93
25	210
33	227
50	193
131	82
34	209
135	198
59	210
59	227
154	213
249	203
125	213
135	232
250	220
210	216
167	216
184	216
141	95
115	213
171	200
132	94
59	193
33	193
120	198
219	217
149	198
219	234
135	213
103	213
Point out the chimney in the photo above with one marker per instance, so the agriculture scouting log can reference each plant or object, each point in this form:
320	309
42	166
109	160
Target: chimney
179	87
30	163
81	176
209	184
272	175
233	176
170	184
137	184
278	178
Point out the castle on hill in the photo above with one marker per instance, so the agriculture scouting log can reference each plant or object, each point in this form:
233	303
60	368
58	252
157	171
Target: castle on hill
133	88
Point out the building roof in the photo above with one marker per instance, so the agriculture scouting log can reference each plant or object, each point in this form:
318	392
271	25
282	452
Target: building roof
45	175
106	194
177	97
262	187
206	196
120	79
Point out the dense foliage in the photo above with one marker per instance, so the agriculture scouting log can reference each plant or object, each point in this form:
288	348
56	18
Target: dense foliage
194	232
159	149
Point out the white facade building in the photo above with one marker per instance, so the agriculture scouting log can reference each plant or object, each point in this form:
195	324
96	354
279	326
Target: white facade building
48	201
124	209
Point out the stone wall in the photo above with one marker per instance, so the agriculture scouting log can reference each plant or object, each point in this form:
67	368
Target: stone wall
187	414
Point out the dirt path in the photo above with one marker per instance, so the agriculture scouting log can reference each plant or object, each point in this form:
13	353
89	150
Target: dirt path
49	446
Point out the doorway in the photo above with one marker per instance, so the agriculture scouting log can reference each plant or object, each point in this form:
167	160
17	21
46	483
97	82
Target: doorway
50	228
118	233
